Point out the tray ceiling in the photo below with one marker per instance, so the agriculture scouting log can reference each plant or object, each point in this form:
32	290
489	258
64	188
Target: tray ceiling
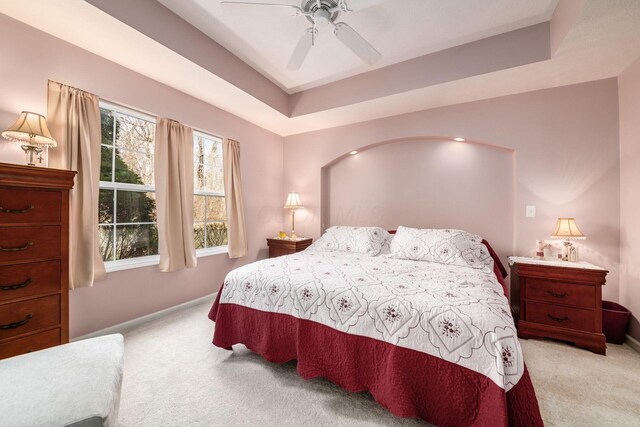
399	29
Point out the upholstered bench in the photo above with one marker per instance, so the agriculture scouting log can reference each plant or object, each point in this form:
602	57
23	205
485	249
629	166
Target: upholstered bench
75	384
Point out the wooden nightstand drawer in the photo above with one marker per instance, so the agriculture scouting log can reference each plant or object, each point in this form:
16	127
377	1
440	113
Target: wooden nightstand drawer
25	280
20	206
35	342
560	316
561	293
280	247
30	315
29	243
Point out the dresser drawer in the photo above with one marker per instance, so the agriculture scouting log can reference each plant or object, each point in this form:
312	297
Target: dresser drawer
24	280
560	316
27	243
561	293
29	315
18	206
34	342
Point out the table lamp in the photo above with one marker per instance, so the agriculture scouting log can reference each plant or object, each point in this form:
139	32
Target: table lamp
30	128
567	230
293	203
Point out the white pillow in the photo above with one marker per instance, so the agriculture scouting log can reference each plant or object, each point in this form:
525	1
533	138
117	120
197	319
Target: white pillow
444	246
363	240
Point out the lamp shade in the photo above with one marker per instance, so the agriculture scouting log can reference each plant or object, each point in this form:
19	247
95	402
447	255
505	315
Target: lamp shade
293	201
30	128
566	228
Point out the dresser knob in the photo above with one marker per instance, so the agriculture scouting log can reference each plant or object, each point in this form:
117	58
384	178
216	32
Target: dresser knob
557	295
16	286
17	324
16	211
558	319
16	249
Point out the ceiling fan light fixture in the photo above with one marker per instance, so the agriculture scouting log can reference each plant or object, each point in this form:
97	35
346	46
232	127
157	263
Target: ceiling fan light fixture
321	17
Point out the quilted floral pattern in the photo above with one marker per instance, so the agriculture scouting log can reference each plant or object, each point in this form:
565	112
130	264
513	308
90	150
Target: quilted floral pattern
444	246
449	311
362	240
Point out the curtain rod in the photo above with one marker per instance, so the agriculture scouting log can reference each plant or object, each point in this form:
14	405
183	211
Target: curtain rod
153	115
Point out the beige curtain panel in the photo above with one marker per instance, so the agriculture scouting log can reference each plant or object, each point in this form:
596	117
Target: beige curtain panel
174	195
74	120
233	194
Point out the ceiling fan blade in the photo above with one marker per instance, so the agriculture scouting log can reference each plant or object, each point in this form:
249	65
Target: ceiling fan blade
302	49
247	8
356	43
356	5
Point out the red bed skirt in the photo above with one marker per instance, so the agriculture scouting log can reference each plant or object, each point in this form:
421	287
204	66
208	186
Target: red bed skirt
407	382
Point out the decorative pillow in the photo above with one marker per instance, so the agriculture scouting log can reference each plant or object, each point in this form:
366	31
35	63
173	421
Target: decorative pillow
364	240
444	246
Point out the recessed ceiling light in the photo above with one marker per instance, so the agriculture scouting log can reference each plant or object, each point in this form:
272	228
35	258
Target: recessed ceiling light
458	139
353	152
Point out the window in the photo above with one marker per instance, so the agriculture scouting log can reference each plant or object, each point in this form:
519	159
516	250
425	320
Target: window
127	203
209	210
127	206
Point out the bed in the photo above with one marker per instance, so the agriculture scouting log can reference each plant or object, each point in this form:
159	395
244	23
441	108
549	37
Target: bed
429	340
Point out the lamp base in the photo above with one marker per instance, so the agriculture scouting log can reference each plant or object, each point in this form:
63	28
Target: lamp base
32	152
570	252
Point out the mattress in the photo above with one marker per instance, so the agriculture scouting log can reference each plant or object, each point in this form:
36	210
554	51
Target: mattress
453	322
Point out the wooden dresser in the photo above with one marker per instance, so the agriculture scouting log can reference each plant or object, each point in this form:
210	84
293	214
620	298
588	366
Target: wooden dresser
561	300
34	258
279	247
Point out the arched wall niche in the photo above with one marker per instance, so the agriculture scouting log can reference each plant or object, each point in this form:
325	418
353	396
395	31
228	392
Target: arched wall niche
424	182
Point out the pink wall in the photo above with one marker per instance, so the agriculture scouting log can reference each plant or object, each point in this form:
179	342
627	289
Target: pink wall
629	93
129	294
566	160
427	183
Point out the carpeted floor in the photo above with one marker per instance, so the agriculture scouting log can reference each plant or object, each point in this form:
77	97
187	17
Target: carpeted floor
174	376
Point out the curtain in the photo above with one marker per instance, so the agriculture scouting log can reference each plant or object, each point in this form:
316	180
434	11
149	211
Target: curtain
233	195
74	121
174	194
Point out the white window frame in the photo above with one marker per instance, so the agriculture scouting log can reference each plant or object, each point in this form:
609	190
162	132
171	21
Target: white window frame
216	249
145	261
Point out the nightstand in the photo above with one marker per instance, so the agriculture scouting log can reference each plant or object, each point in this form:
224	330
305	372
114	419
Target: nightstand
558	299
279	247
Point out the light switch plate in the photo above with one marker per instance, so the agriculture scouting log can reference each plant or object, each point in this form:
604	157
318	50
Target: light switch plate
531	212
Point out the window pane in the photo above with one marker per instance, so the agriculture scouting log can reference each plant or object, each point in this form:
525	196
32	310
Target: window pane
207	151
198	208
134	153
136	240
106	242
106	164
133	167
208	178
106	119
135	206
105	207
216	209
216	234
198	235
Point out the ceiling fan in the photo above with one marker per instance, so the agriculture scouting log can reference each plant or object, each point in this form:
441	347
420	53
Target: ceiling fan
320	13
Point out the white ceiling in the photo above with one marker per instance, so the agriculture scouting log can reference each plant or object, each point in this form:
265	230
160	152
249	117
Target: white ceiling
601	43
399	29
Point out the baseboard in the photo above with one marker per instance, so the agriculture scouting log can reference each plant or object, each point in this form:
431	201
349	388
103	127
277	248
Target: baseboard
125	326
633	343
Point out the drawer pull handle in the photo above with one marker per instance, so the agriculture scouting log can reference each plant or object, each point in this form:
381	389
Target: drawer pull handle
557	295
16	286
16	249
17	324
558	319
16	211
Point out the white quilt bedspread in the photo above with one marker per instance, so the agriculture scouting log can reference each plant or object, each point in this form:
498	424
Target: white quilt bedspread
459	314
